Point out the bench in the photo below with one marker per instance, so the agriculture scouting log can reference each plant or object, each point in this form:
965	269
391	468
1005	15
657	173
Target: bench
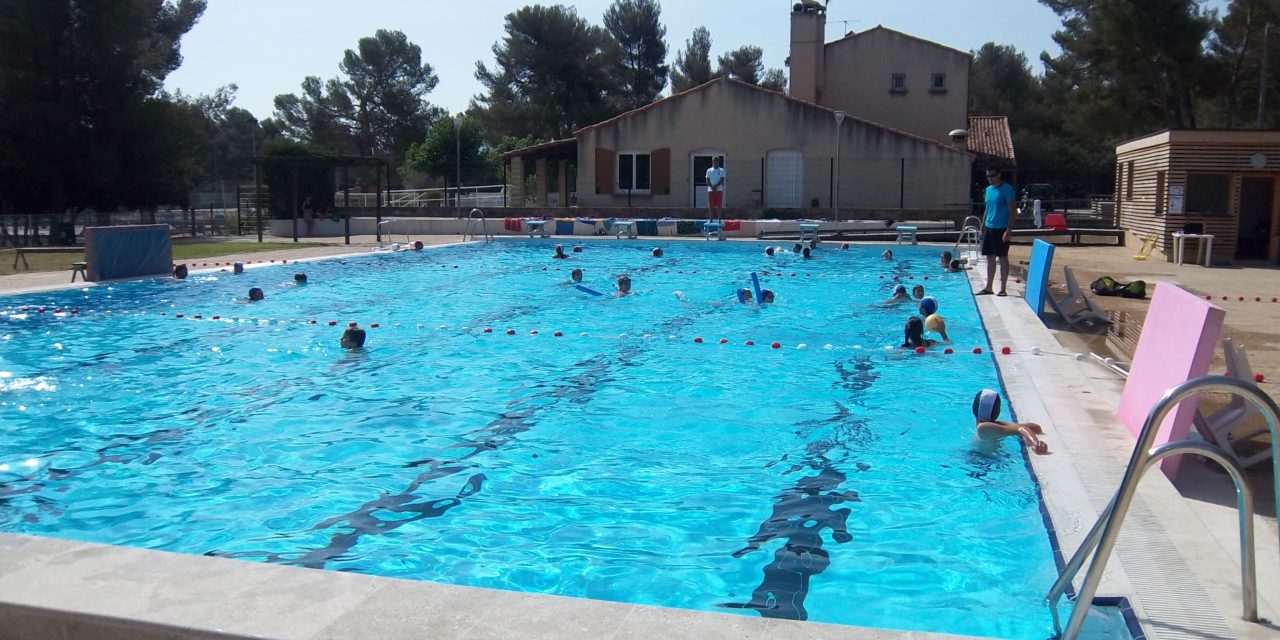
1074	234
537	228
79	268
906	233
808	231
20	253
627	226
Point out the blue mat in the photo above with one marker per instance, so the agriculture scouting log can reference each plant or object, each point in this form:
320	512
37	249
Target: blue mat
1038	276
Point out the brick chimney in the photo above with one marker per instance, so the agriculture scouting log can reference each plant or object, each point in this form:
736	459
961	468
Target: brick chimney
808	41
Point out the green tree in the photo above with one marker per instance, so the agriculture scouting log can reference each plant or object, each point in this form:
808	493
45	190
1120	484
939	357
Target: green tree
637	27
1146	59
438	155
693	64
553	74
377	106
279	173
80	102
1001	82
1236	53
747	64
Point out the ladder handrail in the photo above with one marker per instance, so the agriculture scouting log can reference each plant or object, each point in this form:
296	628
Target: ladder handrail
1102	537
484	225
965	230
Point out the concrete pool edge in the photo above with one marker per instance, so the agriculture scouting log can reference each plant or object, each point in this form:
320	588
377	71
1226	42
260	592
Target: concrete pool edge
1177	578
61	589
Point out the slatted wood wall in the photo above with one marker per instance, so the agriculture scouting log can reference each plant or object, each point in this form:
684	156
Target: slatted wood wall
1137	208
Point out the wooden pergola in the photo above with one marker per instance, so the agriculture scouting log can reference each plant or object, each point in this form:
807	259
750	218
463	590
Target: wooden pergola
294	163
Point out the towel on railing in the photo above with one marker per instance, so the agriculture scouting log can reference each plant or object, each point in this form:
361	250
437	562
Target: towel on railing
687	227
513	224
564	226
647	227
732	225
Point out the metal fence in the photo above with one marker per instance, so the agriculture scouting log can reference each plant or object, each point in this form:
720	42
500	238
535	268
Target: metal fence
35	230
489	195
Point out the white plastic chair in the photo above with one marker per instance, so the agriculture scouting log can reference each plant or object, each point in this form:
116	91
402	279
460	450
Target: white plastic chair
1086	308
1216	428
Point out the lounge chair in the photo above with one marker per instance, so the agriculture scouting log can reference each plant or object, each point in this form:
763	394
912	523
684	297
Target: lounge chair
1086	309
1216	428
1148	244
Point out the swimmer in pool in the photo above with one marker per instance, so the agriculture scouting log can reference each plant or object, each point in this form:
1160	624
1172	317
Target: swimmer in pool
657	252
807	253
417	245
986	410
887	255
899	295
917	292
795	248
560	254
957	266
928	306
768	251
180	272
744	296
255	294
352	338
624	286
913	334
576	275
299	278
937	324
766	296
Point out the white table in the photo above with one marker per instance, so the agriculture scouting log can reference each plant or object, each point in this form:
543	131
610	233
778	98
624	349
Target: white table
625	226
1205	246
808	231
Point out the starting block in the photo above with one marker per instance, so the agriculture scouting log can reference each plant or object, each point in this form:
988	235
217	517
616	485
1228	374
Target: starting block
714	229
808	231
906	233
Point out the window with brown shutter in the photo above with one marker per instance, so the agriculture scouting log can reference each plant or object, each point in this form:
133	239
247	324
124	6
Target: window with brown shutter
604	170
661	172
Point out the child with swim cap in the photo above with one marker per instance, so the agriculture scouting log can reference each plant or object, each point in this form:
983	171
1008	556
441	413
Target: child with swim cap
657	252
768	251
560	254
986	410
899	295
937	324
928	306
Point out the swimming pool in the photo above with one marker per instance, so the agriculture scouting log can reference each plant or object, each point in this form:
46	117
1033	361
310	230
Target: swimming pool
621	460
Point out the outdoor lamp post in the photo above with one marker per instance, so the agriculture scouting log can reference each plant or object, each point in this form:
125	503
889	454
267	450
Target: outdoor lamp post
457	140
835	204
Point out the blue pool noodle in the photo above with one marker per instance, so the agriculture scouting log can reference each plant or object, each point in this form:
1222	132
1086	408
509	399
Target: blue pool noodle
755	284
586	290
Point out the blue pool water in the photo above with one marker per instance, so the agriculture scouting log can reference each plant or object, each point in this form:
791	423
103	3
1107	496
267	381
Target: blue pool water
621	461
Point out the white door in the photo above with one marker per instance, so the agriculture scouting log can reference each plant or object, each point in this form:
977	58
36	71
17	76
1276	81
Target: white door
700	161
784	179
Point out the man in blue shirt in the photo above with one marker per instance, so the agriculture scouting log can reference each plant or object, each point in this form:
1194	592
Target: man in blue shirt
1001	211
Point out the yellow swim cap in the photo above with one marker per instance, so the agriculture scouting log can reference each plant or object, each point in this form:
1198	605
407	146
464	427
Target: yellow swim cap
935	323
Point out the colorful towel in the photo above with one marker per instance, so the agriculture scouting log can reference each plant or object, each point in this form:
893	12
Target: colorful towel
513	224
647	227
564	226
732	225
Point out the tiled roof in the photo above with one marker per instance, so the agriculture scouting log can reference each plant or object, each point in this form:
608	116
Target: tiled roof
989	136
780	94
549	146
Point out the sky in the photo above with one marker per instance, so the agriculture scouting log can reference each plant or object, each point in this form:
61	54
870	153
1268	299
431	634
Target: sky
266	47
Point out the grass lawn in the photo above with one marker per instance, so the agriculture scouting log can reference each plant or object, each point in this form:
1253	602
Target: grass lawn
181	251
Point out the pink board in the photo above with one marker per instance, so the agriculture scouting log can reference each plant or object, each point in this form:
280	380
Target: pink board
1177	344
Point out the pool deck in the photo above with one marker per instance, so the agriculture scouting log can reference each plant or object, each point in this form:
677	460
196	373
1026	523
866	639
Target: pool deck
1177	559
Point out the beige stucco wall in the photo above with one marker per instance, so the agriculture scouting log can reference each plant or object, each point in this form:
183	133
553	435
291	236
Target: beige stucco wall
746	123
857	75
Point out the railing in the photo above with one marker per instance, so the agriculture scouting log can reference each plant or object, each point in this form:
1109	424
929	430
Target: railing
49	229
1102	537
490	195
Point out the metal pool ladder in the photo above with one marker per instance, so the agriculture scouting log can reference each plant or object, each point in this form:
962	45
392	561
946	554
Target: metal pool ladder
1102	537
968	237
474	216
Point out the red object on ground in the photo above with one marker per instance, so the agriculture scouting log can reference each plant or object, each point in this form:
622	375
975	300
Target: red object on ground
776	345
1017	281
1208	297
1055	221
977	349
1258	377
1241	298
1258	299
1224	297
698	340
948	351
511	332
919	350
557	334
1006	351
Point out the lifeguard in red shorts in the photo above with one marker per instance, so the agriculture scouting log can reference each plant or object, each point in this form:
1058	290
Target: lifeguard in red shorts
715	185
